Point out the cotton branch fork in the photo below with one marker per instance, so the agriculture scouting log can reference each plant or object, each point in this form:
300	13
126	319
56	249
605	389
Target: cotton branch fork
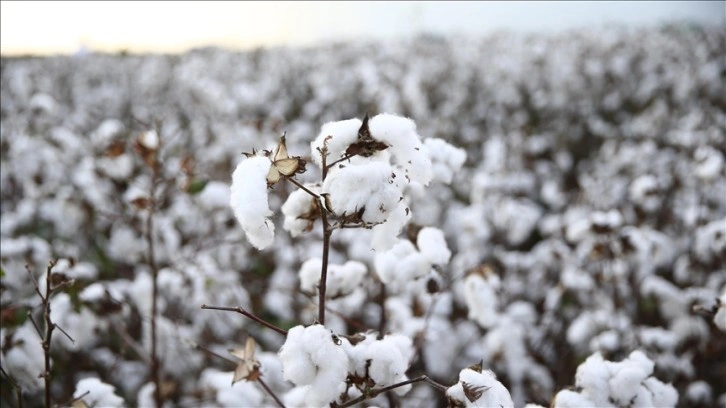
249	315
259	379
49	325
374	393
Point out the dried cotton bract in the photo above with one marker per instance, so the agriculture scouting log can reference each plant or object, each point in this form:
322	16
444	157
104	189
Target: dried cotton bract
478	388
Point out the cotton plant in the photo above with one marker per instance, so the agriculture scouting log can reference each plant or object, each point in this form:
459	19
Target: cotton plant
367	168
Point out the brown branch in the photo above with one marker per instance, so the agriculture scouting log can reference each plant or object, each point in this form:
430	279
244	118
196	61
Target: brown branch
249	315
374	393
324	269
269	391
302	187
344	158
326	242
132	343
49	326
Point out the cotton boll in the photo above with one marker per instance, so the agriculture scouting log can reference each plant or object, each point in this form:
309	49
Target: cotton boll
215	195
432	244
625	383
310	357
300	210
405	145
592	376
481	298
310	274
368	186
710	162
388	365
228	394
445	159
401	265
342	134
248	200
571	399
493	393
664	395
98	394
343	279
24	359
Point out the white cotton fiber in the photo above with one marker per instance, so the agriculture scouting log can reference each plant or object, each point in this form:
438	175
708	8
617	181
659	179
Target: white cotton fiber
405	145
342	134
432	245
248	200
311	357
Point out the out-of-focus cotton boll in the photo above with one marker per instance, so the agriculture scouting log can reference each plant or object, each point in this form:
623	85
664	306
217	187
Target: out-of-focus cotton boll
96	393
624	383
446	159
709	162
720	318
241	393
215	195
432	244
24	358
248	200
480	293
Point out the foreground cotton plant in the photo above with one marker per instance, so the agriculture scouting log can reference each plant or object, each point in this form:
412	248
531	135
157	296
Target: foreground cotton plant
367	170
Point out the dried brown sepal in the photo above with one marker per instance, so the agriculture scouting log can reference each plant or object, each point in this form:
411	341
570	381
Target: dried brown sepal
116	149
477	367
141	203
248	368
366	145
473	392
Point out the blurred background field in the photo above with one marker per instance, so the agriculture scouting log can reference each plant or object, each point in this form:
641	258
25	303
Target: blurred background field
595	188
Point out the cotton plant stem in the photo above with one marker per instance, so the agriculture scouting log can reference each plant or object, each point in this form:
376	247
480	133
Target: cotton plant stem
249	315
155	368
270	393
327	231
375	393
324	269
302	187
49	326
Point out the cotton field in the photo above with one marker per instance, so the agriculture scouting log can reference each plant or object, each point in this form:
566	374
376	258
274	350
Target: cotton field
515	220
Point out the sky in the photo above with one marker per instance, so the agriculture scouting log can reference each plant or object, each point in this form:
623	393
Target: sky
63	27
